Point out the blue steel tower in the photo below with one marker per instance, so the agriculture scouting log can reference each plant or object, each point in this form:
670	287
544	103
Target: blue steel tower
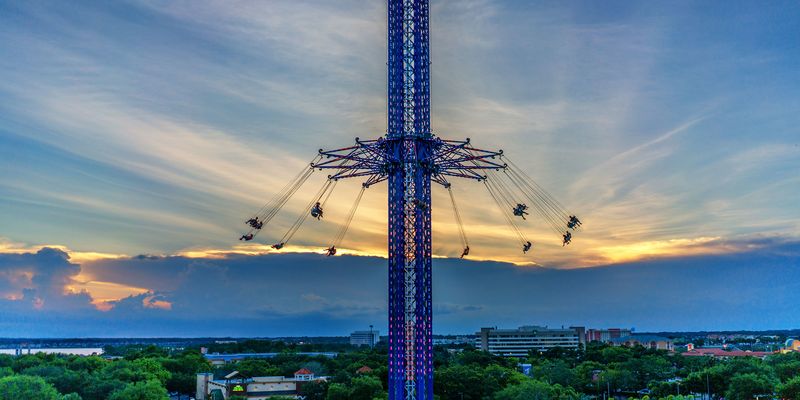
409	143
409	157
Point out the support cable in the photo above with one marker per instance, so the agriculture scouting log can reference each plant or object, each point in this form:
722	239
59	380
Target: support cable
539	204
461	231
536	187
337	241
538	192
269	210
503	211
304	213
330	192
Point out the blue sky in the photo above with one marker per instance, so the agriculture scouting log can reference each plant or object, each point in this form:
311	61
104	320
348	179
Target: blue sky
150	127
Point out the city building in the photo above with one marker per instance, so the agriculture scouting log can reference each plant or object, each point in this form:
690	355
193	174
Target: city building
519	342
365	338
606	335
649	341
257	388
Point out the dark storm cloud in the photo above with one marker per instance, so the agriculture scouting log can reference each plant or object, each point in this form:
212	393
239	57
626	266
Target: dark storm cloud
38	279
309	294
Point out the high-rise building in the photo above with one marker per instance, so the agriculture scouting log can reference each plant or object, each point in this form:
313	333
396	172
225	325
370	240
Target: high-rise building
365	338
518	342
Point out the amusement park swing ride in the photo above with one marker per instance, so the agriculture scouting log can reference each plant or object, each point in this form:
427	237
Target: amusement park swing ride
411	158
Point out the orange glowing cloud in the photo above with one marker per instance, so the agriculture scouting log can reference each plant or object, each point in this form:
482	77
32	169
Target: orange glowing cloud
75	256
664	248
104	294
155	302
256	249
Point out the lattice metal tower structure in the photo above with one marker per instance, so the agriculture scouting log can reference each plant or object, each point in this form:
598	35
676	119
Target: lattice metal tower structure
409	157
409	135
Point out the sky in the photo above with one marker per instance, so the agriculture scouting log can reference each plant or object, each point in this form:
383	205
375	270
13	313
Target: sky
136	136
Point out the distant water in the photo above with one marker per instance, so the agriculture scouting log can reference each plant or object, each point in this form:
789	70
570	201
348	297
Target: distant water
83	351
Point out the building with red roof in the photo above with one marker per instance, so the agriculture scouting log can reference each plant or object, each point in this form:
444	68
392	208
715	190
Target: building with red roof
364	370
303	374
722	353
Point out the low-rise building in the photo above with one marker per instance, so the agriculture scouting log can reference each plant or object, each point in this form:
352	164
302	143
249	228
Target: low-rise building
605	335
648	341
257	388
721	353
519	342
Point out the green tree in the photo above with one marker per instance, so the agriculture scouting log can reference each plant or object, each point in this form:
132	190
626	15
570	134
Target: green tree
63	379
183	371
27	387
314	390
661	390
99	388
338	391
87	364
646	369
257	367
555	371
365	388
27	361
536	390
790	389
787	370
748	386
618	379
614	354
584	377
152	369
469	382
149	390
72	396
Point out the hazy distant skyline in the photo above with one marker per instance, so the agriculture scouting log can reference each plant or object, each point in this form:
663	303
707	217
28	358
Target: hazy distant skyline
154	127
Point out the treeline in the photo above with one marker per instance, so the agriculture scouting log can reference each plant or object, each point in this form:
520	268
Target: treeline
638	373
143	374
149	373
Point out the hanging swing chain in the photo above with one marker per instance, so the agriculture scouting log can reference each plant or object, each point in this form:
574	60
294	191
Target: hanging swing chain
461	231
346	223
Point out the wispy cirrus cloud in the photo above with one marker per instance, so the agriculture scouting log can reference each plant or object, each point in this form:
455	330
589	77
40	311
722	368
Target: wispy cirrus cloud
158	125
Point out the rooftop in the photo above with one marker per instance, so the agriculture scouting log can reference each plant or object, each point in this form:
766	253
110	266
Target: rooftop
717	352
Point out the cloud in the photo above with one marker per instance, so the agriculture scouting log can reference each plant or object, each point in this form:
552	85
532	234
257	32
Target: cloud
310	294
156	127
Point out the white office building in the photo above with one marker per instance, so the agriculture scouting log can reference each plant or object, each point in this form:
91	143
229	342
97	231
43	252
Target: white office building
365	338
518	342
